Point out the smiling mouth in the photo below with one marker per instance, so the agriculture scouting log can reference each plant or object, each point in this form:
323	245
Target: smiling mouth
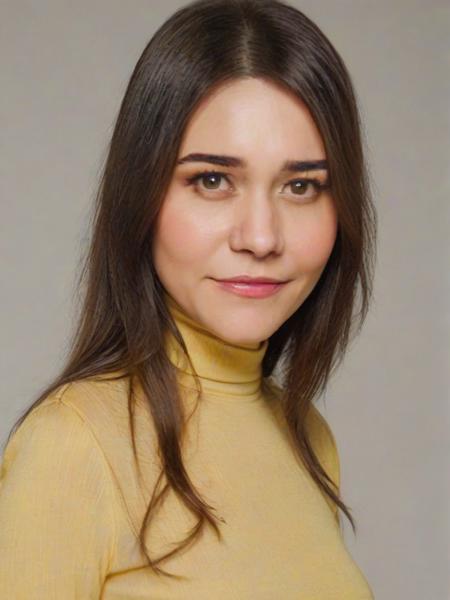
249	279
251	289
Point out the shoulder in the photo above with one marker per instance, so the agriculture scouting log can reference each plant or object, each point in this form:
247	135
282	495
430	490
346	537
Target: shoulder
324	443
58	503
71	442
94	398
319	433
319	428
53	460
52	428
69	417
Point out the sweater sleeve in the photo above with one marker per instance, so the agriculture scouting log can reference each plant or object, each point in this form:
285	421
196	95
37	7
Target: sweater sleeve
57	527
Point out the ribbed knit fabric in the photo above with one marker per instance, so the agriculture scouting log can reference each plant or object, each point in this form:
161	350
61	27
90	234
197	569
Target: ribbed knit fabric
72	502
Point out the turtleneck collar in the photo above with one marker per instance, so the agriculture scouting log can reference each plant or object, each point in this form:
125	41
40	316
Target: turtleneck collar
224	369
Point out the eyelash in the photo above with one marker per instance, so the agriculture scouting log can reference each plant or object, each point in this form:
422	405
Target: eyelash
193	180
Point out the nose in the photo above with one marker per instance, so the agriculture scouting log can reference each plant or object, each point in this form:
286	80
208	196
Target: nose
256	226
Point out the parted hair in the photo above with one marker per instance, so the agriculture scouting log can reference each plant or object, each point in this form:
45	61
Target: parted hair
122	317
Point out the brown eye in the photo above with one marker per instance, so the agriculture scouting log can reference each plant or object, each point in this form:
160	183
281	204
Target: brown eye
211	178
307	188
300	186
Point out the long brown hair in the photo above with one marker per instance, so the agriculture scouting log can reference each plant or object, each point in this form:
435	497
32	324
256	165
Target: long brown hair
123	317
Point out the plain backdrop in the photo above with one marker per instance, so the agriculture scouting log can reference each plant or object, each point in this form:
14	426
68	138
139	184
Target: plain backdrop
64	67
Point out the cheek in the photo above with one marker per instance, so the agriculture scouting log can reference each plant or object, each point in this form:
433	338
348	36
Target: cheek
312	240
181	239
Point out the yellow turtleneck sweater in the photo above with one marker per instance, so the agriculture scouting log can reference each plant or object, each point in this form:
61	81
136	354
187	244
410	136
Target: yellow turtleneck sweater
71	503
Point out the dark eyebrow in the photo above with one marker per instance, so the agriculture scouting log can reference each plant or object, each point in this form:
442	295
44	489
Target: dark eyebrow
233	161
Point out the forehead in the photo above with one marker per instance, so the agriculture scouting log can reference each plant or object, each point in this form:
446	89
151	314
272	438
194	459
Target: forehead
253	118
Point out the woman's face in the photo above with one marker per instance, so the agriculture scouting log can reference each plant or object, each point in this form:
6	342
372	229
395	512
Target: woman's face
253	219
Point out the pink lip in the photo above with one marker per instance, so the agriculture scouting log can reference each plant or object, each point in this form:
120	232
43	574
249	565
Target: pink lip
251	290
248	279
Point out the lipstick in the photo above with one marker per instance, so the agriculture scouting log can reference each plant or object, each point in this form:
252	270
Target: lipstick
251	287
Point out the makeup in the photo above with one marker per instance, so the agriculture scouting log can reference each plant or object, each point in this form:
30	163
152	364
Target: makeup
251	290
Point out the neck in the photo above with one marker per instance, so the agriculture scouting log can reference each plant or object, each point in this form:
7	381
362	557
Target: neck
225	369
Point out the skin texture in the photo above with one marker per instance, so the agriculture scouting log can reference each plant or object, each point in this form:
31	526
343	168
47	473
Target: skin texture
256	223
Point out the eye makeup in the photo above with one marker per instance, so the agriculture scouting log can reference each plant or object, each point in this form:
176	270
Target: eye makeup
302	183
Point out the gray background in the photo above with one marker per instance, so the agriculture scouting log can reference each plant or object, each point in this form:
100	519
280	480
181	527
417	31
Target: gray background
64	68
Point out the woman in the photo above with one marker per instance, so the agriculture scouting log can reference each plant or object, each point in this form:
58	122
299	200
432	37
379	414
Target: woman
169	459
